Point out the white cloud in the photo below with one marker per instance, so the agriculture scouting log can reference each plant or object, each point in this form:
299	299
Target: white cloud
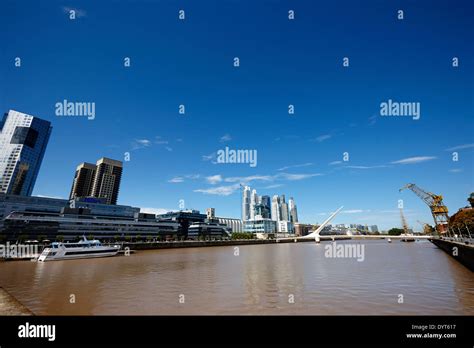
295	177
225	138
372	120
214	179
460	147
333	163
296	166
366	167
220	190
413	160
249	178
355	211
456	170
140	144
322	138
209	157
168	148
273	186
176	180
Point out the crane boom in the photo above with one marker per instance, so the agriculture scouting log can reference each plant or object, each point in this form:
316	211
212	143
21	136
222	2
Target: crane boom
438	210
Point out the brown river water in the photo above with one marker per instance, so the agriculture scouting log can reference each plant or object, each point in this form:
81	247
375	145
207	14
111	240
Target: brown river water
293	278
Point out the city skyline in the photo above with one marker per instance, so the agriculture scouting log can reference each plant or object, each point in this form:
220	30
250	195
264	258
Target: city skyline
337	108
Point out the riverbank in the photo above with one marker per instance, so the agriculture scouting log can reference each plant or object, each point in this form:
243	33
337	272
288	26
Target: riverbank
10	305
462	252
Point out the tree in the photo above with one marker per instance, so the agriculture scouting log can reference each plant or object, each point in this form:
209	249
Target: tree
471	199
395	231
60	238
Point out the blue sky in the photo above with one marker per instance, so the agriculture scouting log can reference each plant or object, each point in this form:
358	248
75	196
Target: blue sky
282	62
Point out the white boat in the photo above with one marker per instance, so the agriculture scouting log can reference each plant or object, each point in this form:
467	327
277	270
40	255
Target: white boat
81	250
389	240
407	237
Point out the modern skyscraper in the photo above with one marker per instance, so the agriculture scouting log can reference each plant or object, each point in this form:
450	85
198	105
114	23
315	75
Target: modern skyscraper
107	180
100	180
246	203
253	203
83	180
276	208
293	211
283	209
266	206
23	141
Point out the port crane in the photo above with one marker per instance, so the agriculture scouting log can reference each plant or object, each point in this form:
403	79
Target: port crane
404	222
438	210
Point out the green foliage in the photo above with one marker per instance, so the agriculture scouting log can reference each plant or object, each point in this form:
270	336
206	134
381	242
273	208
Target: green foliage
395	231
243	235
60	238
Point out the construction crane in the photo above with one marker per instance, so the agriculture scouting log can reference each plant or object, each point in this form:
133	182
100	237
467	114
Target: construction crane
404	222
435	202
426	227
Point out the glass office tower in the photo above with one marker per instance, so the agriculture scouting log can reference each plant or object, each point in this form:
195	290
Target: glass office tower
23	141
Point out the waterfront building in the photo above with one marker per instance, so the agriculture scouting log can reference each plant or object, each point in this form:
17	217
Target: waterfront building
293	211
208	230
235	225
302	229
285	227
253	203
23	141
260	226
107	180
101	180
374	229
72	223
246	203
185	218
284	216
267	203
276	208
210	213
83	180
261	211
15	203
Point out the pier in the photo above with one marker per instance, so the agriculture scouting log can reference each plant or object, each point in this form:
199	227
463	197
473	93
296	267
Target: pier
461	250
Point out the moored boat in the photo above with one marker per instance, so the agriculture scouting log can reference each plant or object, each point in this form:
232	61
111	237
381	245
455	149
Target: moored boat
83	249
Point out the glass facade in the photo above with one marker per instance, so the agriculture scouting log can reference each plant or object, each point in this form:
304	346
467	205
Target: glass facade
23	141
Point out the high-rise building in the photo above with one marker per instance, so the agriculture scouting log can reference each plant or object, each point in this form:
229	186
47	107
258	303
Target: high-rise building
246	203
23	141
374	228
107	180
100	180
293	210
253	203
276	208
283	209
266	201
210	213
265	207
83	180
